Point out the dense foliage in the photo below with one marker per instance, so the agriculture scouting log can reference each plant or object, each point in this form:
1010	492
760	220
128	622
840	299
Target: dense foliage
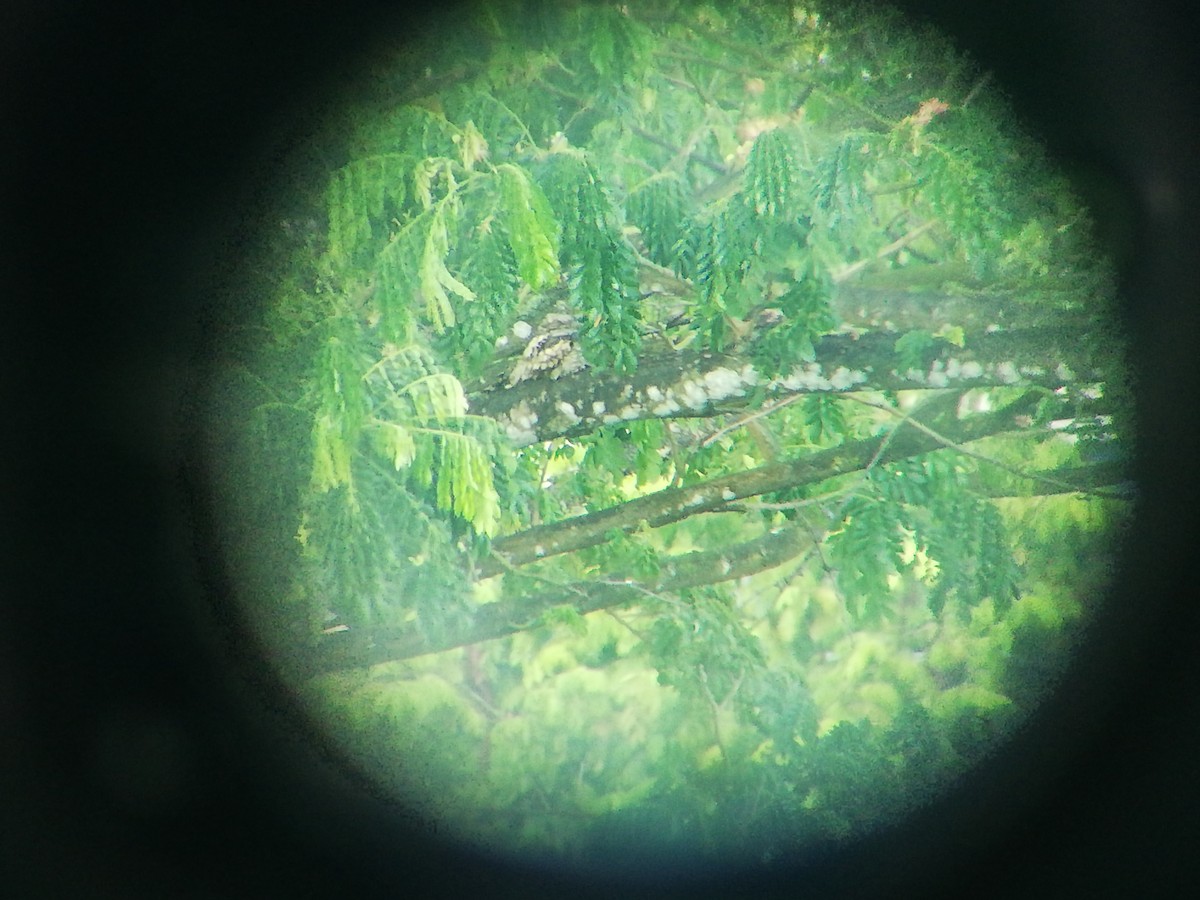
818	459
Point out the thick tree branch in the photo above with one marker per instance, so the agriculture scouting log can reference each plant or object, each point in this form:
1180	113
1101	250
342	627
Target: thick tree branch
691	383
674	504
356	649
1109	480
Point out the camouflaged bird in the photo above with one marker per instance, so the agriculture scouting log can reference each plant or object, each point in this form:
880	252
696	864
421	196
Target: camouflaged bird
552	351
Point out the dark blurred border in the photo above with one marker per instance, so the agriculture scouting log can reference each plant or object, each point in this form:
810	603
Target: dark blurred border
136	763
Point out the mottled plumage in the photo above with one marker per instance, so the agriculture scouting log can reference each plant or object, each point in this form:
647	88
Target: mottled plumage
552	351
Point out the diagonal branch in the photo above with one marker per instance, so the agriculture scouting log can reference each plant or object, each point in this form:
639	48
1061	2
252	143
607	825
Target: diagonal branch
357	649
678	503
1058	485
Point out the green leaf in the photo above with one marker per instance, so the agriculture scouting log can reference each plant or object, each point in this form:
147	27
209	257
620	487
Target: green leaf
824	418
398	444
438	396
567	615
770	175
912	349
331	455
658	207
531	227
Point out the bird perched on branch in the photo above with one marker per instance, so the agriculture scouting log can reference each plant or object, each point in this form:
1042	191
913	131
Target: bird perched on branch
552	352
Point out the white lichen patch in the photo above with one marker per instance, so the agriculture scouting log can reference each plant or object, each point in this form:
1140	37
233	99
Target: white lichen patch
568	412
1064	372
520	424
937	377
598	408
974	402
721	383
844	378
654	393
972	370
1006	372
1032	371
692	394
811	378
806	378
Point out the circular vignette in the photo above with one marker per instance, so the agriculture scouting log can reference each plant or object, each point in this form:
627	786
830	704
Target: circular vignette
247	786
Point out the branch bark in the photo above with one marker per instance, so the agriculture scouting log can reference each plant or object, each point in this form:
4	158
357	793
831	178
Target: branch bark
691	383
674	504
355	649
350	649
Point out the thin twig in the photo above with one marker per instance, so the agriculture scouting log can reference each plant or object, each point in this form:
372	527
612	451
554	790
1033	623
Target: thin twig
676	149
894	247
979	85
982	457
714	708
757	505
757	414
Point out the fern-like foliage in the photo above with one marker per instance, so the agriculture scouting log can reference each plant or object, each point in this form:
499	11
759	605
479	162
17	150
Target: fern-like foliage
396	462
723	260
839	189
491	268
771	177
381	556
340	410
806	316
921	506
659	207
599	261
360	197
421	426
619	45
531	227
